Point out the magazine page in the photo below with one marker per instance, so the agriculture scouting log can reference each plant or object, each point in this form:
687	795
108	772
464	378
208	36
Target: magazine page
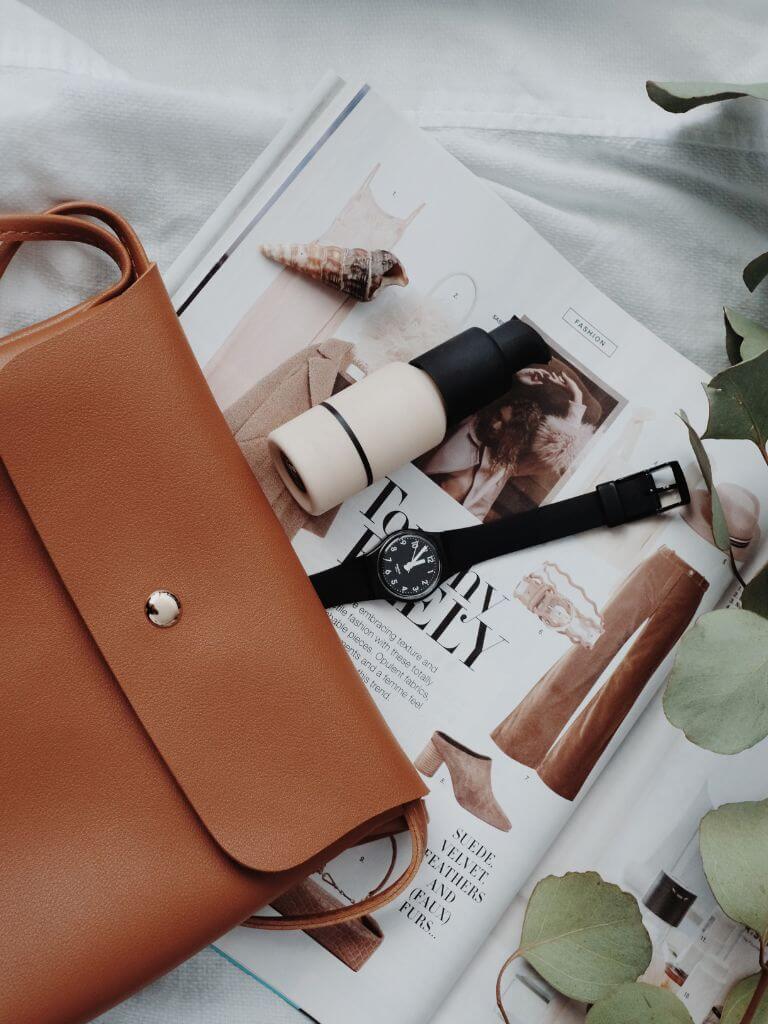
638	827
647	843
510	686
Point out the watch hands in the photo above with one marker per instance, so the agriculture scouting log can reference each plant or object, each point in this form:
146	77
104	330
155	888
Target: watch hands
418	560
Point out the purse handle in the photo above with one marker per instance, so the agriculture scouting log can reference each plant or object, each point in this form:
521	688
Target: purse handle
416	818
65	223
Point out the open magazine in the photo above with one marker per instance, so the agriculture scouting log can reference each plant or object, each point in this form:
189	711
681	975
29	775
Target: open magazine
513	686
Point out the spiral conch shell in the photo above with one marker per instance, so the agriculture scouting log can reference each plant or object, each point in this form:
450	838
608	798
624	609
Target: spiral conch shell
357	272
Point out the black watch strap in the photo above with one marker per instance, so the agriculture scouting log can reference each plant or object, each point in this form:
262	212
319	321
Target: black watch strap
470	545
349	581
611	504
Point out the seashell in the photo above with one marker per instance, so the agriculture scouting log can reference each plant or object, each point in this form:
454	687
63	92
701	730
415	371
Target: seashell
356	272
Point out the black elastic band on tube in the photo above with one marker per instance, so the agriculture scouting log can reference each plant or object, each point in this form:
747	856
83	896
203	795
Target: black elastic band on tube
353	438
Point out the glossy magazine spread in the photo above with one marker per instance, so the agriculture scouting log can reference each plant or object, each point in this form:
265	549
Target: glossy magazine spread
512	686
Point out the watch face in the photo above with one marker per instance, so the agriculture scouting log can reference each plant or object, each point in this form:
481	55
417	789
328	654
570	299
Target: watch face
409	566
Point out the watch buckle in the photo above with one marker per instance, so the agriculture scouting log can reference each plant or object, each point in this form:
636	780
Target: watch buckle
669	485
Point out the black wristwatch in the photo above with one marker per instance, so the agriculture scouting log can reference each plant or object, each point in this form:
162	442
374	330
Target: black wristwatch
410	564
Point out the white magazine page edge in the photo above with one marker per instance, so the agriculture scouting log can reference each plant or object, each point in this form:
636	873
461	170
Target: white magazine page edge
236	200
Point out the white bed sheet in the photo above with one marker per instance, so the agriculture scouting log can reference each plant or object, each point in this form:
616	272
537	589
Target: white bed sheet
157	108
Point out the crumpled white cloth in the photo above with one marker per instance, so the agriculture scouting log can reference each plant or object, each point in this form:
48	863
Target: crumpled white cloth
158	108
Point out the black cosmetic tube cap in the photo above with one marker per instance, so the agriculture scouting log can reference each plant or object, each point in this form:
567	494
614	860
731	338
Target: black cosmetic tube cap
476	367
669	900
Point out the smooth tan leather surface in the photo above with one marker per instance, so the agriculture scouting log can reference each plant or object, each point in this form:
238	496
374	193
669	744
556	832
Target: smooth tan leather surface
156	786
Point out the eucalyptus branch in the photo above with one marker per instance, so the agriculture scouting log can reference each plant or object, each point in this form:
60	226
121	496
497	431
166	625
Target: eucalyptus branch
735	570
502	970
759	993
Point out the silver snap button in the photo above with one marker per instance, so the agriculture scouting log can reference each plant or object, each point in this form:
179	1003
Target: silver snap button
163	608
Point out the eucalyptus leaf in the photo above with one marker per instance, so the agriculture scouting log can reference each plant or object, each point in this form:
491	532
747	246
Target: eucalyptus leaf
754	597
739	999
734	843
738	402
755	271
678	97
718	688
636	1003
720	532
584	936
744	338
733	338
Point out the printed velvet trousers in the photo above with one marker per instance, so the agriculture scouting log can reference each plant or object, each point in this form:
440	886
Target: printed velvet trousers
654	604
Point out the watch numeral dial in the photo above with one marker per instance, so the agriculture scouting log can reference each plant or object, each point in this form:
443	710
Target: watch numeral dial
409	565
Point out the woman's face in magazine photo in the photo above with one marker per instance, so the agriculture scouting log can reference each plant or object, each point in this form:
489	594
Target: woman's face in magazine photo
533	377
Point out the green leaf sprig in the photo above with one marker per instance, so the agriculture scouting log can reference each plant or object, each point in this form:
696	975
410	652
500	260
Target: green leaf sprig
586	937
734	847
745	998
679	97
583	935
744	338
717	692
734	841
637	1003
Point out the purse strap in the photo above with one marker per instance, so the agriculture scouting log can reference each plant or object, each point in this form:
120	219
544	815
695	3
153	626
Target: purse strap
66	223
416	819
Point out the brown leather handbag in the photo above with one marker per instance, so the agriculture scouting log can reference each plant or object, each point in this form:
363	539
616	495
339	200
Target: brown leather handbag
157	785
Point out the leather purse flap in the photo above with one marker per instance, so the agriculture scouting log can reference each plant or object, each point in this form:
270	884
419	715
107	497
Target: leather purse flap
133	482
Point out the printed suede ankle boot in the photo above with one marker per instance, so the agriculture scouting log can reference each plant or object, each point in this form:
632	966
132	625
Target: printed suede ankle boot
470	776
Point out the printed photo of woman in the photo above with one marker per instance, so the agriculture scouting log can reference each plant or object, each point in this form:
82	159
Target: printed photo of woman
507	457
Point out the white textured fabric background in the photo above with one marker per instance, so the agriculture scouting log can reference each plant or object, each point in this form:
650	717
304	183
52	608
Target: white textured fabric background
158	106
